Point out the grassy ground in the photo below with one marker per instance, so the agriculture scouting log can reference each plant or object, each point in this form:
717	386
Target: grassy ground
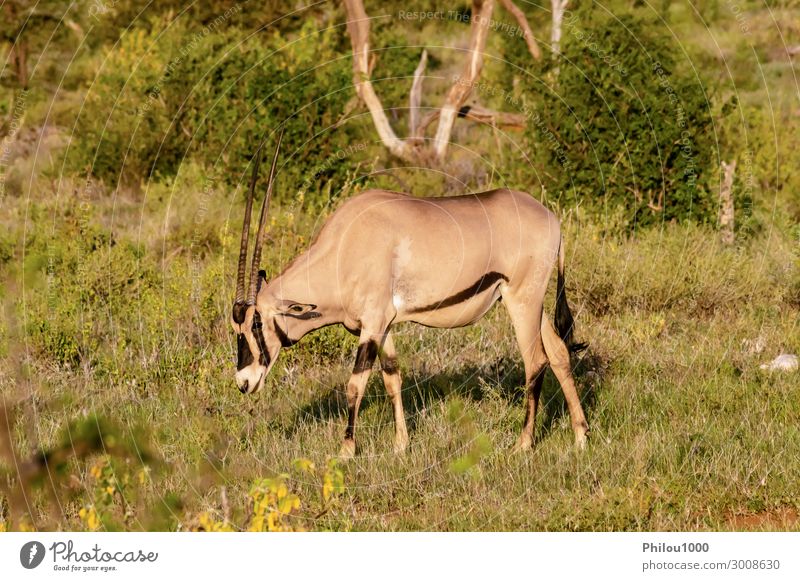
687	431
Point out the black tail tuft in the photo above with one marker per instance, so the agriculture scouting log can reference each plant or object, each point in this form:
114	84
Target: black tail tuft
564	323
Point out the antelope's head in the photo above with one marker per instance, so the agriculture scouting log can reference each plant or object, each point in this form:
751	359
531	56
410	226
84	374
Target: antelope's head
258	339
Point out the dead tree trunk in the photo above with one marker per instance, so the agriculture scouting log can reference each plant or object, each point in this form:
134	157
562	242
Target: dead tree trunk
726	222
454	105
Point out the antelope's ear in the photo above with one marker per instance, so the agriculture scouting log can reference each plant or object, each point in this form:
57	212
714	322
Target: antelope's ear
262	278
299	310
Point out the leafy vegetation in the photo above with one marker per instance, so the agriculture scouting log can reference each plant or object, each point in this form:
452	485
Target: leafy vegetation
625	123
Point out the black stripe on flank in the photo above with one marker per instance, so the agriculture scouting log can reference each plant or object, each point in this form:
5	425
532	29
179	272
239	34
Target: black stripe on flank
304	316
483	283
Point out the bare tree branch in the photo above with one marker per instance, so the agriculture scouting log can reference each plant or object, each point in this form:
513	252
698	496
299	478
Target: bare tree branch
455	100
358	28
558	8
415	97
494	118
481	19
530	40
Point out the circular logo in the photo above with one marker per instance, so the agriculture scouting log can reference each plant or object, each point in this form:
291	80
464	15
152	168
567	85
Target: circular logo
31	554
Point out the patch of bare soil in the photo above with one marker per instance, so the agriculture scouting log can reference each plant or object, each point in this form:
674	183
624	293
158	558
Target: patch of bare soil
781	519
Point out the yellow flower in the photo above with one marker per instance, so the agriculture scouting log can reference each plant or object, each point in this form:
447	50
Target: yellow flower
90	518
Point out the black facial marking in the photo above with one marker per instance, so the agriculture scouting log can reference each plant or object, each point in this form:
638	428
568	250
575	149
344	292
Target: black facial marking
258	332
284	338
485	282
239	313
245	357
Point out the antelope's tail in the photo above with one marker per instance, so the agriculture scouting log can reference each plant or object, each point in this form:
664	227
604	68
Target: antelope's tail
564	323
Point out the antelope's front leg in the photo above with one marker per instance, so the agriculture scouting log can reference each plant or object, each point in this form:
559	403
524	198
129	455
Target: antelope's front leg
365	357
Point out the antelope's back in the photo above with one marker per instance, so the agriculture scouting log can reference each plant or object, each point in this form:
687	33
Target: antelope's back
421	250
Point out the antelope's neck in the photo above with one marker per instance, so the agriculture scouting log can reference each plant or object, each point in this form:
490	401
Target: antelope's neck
311	279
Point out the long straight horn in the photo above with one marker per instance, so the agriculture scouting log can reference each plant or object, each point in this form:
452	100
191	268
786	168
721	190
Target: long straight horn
251	291
246	227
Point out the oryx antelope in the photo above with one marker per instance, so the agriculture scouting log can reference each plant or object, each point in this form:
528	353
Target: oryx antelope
384	258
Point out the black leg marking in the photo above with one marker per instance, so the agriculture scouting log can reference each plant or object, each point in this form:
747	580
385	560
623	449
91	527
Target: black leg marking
365	356
389	365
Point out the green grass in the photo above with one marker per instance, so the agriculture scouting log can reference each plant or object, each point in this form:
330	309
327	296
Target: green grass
687	432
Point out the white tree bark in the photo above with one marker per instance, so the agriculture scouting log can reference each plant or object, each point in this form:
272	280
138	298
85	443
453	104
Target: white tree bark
481	19
558	9
415	97
358	28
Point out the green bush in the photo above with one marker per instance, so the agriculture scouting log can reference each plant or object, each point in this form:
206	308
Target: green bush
620	124
210	96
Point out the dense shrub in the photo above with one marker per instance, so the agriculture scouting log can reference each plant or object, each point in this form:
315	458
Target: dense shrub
210	96
620	123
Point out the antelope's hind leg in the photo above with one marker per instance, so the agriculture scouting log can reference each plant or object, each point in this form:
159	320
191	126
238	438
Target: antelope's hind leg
393	382
526	319
558	355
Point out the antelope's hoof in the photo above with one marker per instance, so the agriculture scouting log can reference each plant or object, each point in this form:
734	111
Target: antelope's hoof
400	446
348	451
524	443
581	439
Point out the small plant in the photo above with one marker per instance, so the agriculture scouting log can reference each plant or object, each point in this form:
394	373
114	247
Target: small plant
273	507
479	444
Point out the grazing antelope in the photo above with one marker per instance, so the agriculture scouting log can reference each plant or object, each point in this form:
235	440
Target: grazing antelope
384	258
